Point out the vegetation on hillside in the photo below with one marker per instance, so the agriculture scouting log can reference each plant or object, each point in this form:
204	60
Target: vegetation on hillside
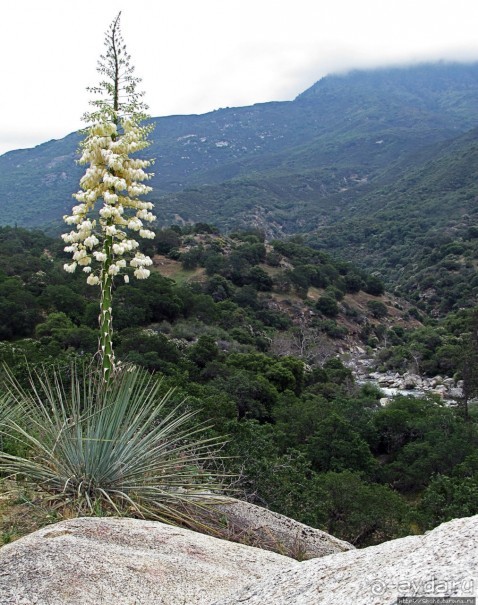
418	231
241	330
376	167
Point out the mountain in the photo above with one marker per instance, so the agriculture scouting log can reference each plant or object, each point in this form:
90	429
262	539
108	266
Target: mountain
234	163
418	227
377	166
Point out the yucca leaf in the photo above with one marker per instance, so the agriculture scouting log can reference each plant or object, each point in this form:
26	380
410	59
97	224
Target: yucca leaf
110	446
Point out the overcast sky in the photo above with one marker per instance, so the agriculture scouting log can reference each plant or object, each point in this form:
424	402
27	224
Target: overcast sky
198	55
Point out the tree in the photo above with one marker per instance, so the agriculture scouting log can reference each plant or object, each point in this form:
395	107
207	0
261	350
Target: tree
374	286
304	342
360	512
449	498
336	446
166	240
377	309
327	306
259	279
204	351
353	283
19	310
64	300
102	246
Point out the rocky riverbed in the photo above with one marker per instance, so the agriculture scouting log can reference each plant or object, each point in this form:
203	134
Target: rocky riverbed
391	384
408	383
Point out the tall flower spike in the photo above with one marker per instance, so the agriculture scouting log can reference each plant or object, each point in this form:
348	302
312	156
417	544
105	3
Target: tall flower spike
104	247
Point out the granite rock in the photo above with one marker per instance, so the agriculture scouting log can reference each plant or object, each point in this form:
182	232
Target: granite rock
441	563
111	561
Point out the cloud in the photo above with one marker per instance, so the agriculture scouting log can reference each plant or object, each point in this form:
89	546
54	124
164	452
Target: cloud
199	56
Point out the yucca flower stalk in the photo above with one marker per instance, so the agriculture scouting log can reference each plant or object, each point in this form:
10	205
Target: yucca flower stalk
103	247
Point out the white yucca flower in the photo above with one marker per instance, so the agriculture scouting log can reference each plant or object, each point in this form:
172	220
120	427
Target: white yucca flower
118	249
110	198
92	280
70	268
91	241
135	224
79	254
146	233
71	220
100	256
86	260
140	260
142	273
114	181
106	212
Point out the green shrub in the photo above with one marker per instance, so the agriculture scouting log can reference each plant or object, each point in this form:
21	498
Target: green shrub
377	309
327	306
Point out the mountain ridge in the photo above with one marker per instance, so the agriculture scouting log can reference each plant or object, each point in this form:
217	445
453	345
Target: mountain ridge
349	163
358	120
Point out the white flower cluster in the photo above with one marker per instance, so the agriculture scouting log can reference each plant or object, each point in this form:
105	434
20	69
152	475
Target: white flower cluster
117	179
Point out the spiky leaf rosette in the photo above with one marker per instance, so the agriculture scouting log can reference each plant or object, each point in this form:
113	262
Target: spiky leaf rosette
113	447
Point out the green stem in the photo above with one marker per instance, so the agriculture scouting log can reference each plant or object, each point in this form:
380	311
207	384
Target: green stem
106	314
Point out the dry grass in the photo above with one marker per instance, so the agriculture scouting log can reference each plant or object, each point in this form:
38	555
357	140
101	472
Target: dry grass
214	522
23	511
173	269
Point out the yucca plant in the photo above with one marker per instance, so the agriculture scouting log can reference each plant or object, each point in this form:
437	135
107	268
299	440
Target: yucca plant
107	440
110	447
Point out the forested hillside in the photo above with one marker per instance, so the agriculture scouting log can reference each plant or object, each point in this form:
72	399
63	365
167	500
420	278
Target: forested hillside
352	126
420	229
249	332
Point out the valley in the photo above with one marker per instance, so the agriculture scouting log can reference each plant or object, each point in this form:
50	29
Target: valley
305	253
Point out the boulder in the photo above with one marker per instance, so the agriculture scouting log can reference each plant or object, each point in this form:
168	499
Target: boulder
261	527
411	381
443	562
436	380
106	561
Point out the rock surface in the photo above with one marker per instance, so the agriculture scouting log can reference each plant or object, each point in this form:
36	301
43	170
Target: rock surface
266	529
109	561
129	562
443	562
